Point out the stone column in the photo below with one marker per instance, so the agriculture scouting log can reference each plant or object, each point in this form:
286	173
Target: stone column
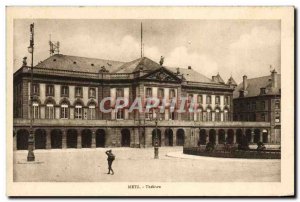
64	139
260	136
162	130
174	137
79	139
234	137
217	138
93	139
48	139
207	135
226	135
252	136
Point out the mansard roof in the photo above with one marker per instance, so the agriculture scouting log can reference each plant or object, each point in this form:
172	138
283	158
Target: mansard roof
91	67
191	75
79	64
255	84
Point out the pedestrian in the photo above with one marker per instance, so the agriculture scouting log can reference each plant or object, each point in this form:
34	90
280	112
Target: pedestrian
110	158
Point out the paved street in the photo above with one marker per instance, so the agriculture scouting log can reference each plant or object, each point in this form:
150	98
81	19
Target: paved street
90	165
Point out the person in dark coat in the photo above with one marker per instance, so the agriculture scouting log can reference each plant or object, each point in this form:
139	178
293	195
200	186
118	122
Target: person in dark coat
110	159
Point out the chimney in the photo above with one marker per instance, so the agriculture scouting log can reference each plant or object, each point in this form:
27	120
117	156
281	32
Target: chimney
213	78
189	67
245	83
274	79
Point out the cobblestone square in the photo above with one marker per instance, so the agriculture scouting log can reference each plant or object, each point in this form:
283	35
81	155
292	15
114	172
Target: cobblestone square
137	165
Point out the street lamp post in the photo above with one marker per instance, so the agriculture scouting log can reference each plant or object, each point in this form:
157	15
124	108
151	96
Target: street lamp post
30	155
156	143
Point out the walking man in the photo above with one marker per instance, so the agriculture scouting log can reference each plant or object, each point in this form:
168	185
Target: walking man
110	159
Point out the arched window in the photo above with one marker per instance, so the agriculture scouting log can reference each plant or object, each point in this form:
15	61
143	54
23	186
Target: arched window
36	110
64	111
50	111
208	114
92	112
120	113
200	114
78	111
226	116
217	115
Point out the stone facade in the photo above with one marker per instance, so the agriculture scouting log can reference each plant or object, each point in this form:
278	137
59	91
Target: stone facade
67	92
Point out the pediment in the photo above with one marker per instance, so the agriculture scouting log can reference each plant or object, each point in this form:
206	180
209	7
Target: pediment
162	75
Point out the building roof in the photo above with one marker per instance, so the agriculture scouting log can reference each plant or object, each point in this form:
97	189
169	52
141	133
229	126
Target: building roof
218	79
75	63
143	63
191	75
255	84
231	81
93	65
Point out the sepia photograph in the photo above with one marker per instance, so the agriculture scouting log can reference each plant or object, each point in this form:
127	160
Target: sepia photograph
145	105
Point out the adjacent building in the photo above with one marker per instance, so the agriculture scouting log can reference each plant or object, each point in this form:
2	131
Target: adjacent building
258	99
67	91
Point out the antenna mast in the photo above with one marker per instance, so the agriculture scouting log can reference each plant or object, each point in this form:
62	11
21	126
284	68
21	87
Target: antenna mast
141	39
54	47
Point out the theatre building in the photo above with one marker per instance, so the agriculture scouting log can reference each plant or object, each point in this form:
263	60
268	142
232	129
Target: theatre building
67	92
258	99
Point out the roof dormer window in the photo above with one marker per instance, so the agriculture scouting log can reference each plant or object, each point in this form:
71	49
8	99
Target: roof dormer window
263	91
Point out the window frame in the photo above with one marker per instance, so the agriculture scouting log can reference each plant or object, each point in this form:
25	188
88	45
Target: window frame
81	91
50	86
62	94
35	89
93	89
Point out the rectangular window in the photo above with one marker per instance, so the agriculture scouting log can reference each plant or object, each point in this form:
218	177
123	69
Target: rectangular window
217	100
49	90
225	100
253	105
119	92
277	104
172	93
148	92
263	105
262	91
208	99
92	93
248	106
65	91
78	91
160	93
35	89
263	117
277	117
199	99
190	98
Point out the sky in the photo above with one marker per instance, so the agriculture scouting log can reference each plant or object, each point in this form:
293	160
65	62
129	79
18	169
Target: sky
227	47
